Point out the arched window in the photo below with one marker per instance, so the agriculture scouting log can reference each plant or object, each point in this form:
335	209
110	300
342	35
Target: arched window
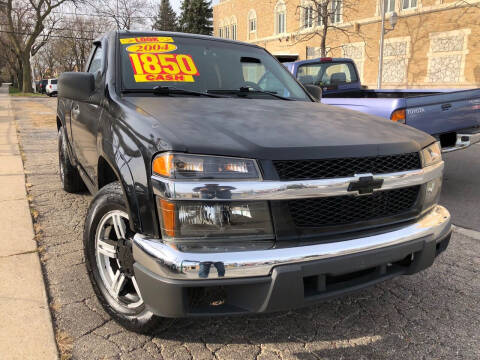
280	17
226	30
233	28
220	29
252	25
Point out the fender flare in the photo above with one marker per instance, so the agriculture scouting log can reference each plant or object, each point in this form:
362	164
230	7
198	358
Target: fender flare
124	175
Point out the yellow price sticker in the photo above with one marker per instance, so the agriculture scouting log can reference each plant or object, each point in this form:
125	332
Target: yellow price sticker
163	67
146	39
150	48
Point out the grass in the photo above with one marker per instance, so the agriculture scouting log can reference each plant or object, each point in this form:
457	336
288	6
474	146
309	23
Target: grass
16	92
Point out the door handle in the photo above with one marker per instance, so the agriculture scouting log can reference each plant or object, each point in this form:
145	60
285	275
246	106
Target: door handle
446	106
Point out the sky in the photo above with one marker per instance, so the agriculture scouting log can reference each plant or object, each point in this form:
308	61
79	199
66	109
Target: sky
176	4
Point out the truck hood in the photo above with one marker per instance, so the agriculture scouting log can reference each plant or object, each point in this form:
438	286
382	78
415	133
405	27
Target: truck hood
272	129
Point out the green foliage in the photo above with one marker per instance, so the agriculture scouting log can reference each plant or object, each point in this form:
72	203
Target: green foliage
196	17
166	19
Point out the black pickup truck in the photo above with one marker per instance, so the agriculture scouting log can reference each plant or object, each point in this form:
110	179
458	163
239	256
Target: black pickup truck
223	187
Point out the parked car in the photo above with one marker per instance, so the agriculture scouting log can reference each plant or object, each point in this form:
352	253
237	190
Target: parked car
51	87
219	191
43	86
453	117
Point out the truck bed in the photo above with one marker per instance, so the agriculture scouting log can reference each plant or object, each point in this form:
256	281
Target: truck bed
452	116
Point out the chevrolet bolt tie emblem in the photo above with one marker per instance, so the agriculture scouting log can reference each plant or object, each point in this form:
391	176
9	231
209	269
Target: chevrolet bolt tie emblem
365	185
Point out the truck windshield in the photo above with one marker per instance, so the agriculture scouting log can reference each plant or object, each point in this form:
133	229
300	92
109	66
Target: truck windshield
327	74
206	66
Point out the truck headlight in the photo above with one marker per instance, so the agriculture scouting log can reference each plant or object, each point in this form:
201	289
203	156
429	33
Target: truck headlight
186	166
193	221
197	220
432	154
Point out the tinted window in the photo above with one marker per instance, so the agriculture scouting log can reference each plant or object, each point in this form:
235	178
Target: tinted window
202	65
54	82
327	74
96	63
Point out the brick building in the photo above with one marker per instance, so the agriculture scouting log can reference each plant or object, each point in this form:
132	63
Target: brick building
436	43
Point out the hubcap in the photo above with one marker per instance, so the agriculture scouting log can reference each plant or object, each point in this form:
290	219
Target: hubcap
113	250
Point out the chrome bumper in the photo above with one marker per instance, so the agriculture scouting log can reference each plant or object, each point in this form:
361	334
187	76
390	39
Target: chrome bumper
463	142
167	262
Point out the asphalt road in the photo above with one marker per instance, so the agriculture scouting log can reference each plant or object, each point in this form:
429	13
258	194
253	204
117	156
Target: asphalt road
461	188
431	315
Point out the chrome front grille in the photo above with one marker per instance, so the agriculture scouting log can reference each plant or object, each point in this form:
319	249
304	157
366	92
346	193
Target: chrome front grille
289	170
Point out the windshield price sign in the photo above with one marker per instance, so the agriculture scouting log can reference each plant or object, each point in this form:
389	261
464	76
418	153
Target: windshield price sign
152	60
163	67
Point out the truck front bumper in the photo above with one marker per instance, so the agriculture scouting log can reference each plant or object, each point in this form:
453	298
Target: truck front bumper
178	284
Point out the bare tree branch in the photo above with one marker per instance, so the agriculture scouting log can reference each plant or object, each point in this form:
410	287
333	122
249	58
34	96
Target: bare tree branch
321	18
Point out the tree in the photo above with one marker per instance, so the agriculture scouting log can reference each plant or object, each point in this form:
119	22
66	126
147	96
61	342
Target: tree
166	19
324	17
28	26
10	62
196	17
126	14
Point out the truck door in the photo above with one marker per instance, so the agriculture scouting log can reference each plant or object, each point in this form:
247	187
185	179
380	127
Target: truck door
448	112
85	118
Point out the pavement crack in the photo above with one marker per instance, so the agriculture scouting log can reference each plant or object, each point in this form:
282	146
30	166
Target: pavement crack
19	254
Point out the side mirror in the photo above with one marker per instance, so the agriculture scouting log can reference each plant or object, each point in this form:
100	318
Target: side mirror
77	86
314	90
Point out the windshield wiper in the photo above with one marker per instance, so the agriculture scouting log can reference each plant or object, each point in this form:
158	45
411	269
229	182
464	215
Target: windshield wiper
168	90
244	91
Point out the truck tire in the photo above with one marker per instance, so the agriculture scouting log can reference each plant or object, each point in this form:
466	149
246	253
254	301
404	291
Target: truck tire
109	259
71	180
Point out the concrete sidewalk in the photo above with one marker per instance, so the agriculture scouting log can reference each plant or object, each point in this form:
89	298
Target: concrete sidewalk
26	330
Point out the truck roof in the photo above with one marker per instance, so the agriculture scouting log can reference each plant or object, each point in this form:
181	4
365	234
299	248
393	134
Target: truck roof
172	33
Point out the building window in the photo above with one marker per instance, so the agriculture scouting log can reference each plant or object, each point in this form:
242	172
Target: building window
234	31
409	4
280	18
252	24
227	32
220	29
308	16
336	16
388	6
280	23
322	12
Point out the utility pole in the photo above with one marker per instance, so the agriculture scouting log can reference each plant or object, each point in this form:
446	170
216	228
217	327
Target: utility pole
393	23
382	38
